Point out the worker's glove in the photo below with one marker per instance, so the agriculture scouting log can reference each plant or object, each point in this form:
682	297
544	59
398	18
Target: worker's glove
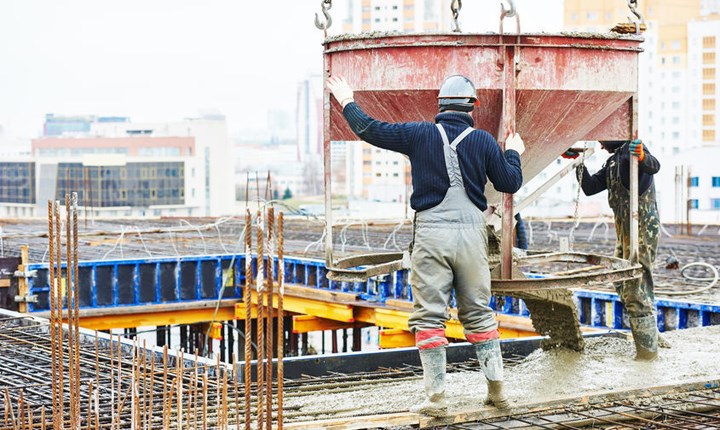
515	142
340	90
570	154
636	149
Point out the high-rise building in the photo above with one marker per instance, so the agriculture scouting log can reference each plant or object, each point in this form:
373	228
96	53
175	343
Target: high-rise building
704	91
678	93
396	15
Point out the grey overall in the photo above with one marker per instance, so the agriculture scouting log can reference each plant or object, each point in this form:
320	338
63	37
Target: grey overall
450	253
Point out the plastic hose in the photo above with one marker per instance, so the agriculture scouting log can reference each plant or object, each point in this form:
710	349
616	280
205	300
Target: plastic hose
713	279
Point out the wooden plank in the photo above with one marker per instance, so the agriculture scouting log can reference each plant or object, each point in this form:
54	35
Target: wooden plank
4	282
318	294
310	323
395	338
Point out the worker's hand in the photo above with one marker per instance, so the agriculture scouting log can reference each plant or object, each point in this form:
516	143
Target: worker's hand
340	90
570	154
515	142
636	149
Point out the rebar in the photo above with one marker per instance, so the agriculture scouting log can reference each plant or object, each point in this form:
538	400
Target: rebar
269	279
280	319
260	369
248	315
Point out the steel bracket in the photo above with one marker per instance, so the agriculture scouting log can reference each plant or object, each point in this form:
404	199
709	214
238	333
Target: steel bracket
31	298
23	274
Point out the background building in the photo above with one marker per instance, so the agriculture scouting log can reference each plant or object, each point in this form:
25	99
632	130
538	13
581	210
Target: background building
120	168
677	88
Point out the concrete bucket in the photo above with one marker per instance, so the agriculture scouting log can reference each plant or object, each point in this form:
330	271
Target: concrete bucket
568	87
553	89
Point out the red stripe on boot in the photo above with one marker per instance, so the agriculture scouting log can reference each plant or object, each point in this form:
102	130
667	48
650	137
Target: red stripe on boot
483	336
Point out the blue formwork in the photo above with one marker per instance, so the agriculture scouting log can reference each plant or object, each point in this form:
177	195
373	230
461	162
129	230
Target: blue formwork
138	282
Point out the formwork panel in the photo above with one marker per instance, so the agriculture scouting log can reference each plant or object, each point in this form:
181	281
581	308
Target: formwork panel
85	284
147	283
209	279
168	282
189	281
104	282
126	285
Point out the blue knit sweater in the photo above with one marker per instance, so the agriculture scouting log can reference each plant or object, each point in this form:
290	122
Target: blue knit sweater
479	154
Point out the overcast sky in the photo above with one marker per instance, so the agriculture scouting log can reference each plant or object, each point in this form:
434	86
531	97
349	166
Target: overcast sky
164	60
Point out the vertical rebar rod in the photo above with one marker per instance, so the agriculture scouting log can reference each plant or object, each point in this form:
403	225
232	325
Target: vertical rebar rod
143	379
226	401
218	396
152	391
260	321
119	383
248	317
165	401
59	304
204	403
269	279
70	310
90	404
235	391
280	318
112	382
53	336
76	294
180	364
196	394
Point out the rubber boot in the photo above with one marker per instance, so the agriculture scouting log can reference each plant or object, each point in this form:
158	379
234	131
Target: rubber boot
433	364
645	335
490	358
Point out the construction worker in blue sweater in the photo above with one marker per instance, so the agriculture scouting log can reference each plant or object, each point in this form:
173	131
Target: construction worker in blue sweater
451	163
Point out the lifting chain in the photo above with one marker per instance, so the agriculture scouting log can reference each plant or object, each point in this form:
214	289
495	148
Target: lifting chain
325	5
576	218
455	6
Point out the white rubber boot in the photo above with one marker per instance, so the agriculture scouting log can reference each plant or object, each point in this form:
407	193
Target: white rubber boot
433	363
490	358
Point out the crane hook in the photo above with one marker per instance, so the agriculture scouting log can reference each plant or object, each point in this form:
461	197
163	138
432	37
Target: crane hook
325	5
508	13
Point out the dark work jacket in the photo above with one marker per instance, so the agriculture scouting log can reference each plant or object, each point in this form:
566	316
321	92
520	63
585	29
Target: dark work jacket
479	154
646	169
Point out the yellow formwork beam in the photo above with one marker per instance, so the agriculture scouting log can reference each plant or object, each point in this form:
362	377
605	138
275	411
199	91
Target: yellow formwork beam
395	338
305	306
157	318
310	323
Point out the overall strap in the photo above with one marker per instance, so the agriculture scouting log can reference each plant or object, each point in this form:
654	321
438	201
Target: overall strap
451	159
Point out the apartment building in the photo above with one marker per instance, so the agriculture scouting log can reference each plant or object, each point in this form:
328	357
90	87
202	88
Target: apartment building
678	91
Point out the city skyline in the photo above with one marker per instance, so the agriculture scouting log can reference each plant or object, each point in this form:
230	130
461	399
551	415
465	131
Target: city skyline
164	60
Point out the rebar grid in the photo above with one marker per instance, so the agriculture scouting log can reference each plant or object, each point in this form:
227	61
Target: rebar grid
61	382
691	410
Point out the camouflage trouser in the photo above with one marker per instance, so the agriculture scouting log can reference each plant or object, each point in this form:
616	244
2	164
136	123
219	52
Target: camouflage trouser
637	296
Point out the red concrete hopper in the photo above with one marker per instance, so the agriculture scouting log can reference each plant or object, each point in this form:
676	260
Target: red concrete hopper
569	87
